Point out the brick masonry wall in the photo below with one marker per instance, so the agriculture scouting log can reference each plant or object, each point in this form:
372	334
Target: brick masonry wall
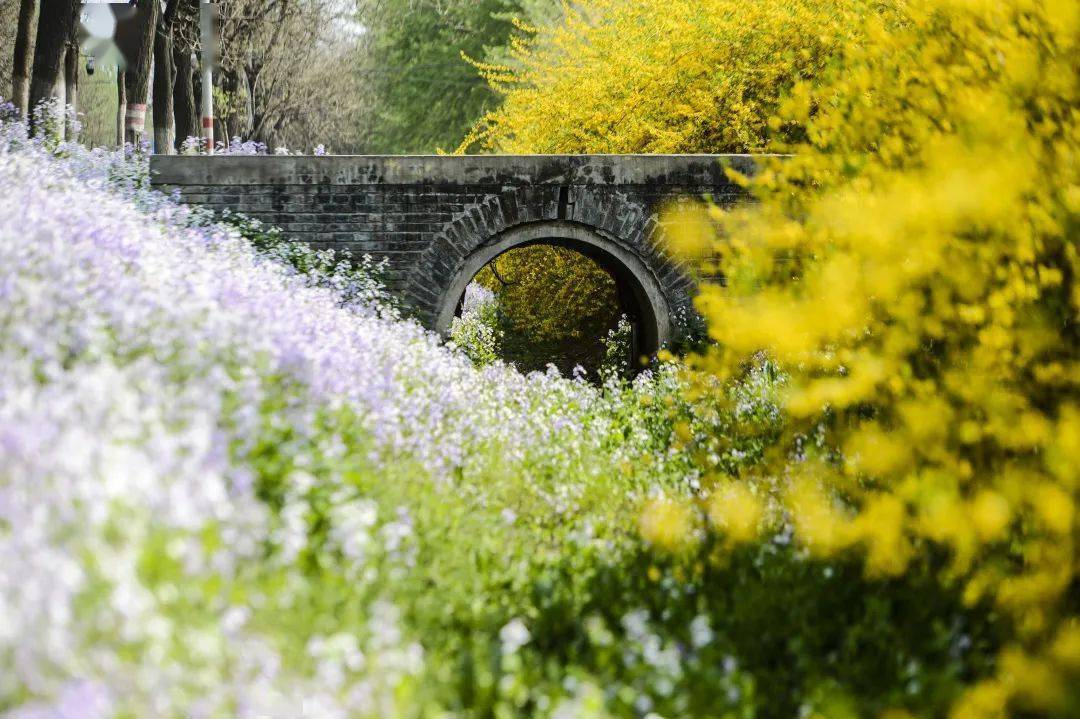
426	215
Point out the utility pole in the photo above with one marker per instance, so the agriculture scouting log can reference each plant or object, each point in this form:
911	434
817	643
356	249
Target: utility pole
206	22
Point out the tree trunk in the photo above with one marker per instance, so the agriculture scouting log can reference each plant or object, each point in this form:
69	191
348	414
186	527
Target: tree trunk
196	89
24	55
225	122
137	74
56	28
59	99
164	78
221	130
71	90
245	111
184	97
121	107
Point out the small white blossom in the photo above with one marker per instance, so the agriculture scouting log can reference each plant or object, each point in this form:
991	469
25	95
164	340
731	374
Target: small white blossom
513	636
701	633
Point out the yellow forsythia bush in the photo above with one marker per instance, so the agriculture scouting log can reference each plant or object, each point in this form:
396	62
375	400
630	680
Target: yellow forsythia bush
655	76
915	269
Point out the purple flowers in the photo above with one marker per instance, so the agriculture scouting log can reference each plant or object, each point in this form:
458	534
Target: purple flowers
146	354
236	146
8	111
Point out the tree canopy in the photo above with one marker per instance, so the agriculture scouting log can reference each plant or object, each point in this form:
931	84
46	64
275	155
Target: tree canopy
422	94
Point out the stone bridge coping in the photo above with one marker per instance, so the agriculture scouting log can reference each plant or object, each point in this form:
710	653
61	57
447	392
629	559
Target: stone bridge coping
448	170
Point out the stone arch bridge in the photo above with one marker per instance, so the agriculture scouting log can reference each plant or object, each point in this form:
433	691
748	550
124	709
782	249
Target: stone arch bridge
438	220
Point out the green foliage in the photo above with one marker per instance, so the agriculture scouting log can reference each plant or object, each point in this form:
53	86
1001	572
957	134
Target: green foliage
425	95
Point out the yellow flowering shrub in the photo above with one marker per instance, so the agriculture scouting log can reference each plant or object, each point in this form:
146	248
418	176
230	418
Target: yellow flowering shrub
627	76
915	269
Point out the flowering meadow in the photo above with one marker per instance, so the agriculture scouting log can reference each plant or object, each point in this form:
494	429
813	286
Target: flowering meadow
208	459
236	482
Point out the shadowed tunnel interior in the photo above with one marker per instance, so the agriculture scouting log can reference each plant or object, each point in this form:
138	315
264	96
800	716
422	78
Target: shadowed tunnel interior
560	302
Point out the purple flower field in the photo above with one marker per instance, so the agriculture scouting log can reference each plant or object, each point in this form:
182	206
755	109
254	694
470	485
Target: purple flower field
179	412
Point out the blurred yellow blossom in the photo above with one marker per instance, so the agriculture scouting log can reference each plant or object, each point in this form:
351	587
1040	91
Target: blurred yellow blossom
736	511
914	267
667	524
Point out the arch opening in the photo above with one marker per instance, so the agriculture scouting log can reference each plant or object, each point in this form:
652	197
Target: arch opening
634	290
